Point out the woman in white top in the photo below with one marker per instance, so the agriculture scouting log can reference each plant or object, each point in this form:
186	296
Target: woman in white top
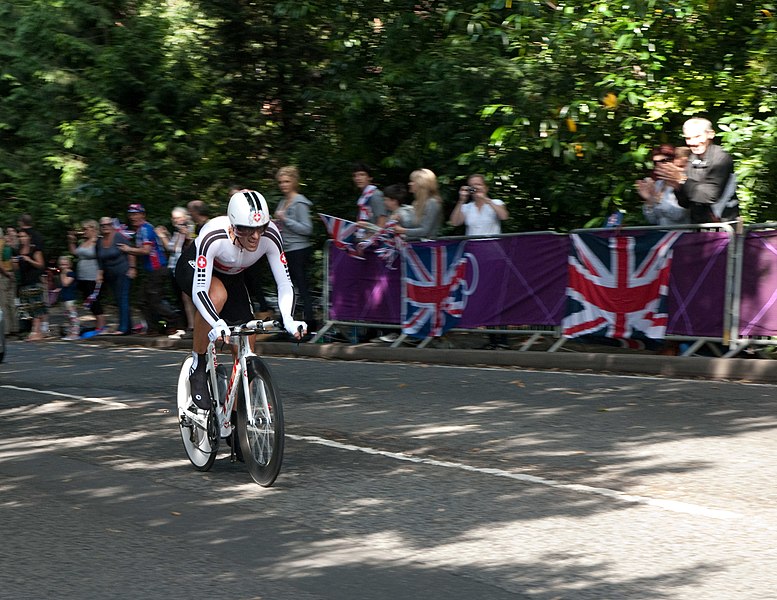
480	214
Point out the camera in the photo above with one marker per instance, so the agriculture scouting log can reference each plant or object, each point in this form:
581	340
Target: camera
472	191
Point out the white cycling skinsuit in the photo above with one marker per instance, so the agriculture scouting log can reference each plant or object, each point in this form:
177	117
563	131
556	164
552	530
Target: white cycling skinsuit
215	250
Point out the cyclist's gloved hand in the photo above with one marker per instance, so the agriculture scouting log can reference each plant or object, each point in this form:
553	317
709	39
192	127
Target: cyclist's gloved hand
293	327
220	330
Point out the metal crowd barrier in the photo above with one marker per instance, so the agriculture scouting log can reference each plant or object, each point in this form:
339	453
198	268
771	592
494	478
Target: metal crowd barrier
692	343
754	316
724	335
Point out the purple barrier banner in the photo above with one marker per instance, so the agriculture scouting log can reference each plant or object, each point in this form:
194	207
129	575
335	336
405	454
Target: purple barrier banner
515	280
363	290
521	281
697	286
758	306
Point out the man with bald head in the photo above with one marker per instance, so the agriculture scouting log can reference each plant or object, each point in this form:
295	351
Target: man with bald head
707	186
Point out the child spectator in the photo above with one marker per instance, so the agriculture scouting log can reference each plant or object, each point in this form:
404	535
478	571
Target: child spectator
67	294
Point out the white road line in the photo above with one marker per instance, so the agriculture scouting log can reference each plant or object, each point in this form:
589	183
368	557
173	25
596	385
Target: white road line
102	401
670	505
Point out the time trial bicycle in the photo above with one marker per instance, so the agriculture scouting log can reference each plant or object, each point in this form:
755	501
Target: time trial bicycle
247	394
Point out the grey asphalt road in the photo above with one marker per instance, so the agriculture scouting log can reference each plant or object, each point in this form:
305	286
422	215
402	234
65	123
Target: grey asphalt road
399	481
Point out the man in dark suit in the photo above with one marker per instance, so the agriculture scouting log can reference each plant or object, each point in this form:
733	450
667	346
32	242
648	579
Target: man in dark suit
708	185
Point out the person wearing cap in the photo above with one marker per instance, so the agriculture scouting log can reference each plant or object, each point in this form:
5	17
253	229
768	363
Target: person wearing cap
154	262
212	271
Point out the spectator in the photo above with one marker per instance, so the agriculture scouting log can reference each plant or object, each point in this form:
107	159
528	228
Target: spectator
30	267
427	206
399	213
8	242
292	216
199	213
480	214
394	197
370	203
660	204
175	244
116	270
152	284
87	267
66	282
708	185
12	238
25	224
681	156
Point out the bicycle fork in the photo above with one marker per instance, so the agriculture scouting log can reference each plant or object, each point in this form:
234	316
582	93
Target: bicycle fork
250	401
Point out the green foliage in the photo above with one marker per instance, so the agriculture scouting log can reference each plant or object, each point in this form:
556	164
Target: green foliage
557	103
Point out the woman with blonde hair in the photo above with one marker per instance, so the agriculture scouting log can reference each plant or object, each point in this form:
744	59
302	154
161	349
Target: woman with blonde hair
292	216
427	206
87	267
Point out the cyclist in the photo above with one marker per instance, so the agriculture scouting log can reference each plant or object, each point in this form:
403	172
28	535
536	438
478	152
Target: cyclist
212	270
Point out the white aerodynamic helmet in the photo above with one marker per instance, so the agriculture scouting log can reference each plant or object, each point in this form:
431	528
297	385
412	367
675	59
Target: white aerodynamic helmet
248	208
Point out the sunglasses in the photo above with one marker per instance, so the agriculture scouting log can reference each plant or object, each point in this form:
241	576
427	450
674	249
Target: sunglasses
246	231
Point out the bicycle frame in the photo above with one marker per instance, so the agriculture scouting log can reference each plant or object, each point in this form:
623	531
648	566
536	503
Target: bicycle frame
226	405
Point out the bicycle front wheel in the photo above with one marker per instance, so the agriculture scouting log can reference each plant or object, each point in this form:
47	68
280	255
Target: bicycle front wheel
200	443
261	431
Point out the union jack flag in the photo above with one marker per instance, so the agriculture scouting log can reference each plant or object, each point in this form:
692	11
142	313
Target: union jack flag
386	244
618	285
435	288
122	229
342	232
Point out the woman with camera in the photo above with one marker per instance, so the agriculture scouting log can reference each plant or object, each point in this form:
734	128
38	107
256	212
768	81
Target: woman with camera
480	214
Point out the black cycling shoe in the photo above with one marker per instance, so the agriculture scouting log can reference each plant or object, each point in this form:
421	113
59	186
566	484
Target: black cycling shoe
198	383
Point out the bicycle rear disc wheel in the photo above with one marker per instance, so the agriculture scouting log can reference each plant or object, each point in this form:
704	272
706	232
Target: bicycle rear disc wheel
201	444
261	435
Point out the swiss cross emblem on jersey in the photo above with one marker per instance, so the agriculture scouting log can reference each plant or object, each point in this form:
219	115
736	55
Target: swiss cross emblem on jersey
257	217
283	258
202	262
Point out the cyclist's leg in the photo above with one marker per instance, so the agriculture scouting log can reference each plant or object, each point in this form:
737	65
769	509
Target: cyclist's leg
238	308
198	378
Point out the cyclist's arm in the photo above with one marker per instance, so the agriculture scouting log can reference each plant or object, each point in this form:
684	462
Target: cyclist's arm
206	250
281	274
